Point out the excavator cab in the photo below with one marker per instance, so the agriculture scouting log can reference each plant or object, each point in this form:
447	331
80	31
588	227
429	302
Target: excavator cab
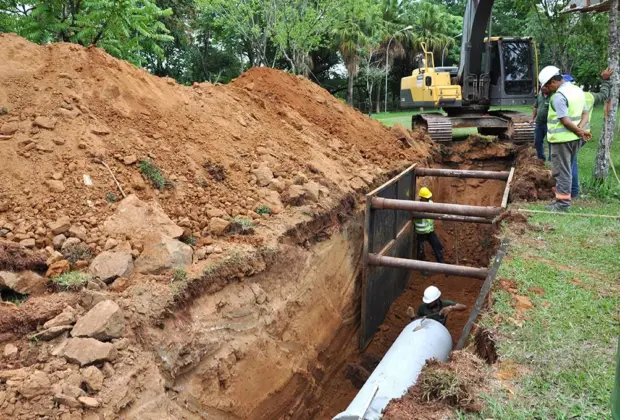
513	71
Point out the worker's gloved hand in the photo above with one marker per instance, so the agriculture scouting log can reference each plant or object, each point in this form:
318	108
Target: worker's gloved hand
606	74
411	313
445	311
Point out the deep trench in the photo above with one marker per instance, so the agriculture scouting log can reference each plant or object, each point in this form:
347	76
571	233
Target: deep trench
464	244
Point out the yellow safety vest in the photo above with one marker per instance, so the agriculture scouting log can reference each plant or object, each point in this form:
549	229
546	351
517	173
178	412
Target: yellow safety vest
556	132
424	226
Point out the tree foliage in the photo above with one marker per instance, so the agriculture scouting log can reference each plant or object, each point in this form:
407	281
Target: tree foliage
127	29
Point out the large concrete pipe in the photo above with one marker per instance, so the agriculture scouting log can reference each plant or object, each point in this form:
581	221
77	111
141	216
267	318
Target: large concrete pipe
420	341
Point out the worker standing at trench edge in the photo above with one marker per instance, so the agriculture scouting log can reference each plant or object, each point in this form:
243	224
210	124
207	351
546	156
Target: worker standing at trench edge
434	307
567	107
592	99
425	231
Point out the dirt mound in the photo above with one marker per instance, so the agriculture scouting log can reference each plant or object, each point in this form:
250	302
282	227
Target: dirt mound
533	179
477	147
198	151
440	386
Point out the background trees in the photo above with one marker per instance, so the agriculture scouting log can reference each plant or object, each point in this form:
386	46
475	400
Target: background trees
341	45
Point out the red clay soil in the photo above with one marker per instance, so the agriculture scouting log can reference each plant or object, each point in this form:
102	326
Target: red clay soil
69	107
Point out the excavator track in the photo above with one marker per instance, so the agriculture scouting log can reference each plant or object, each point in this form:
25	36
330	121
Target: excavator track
437	126
508	125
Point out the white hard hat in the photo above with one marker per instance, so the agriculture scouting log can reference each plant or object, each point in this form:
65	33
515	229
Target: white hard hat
547	73
431	294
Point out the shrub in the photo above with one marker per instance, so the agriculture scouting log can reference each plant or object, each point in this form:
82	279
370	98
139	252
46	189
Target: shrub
111	197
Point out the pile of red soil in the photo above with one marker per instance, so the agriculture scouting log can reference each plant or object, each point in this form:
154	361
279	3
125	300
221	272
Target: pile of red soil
67	108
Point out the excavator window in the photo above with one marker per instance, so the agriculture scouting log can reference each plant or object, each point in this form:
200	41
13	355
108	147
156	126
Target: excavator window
428	81
517	58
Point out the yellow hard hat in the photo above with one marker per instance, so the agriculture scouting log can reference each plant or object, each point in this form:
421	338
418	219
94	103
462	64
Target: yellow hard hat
425	193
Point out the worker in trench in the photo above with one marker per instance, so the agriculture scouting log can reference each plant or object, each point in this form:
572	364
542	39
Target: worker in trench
425	231
434	307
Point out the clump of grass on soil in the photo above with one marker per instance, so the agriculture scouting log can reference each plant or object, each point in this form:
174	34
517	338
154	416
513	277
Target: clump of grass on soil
153	174
111	197
216	171
241	226
178	282
190	240
73	280
79	252
263	210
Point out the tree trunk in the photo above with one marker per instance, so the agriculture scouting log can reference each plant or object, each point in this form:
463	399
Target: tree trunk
601	165
379	98
350	89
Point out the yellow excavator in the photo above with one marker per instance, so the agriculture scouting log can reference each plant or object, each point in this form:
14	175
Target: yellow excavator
493	71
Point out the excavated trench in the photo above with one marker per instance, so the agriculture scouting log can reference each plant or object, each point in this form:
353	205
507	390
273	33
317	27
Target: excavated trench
296	354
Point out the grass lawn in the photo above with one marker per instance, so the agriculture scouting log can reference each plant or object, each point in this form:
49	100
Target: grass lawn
557	356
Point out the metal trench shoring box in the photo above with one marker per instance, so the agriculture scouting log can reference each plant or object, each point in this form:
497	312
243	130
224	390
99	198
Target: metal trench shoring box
389	238
389	233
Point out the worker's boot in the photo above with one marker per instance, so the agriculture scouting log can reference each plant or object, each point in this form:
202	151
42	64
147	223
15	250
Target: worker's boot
559	205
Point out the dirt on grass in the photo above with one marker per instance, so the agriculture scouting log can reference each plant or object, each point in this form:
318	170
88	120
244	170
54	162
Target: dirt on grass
441	388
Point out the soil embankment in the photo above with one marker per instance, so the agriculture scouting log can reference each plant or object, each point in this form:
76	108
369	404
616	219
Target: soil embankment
226	283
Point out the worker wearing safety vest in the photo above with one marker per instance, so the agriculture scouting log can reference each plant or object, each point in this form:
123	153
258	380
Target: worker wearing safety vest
425	231
566	108
592	99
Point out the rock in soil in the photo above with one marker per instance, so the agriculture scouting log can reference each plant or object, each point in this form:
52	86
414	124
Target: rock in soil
10	351
137	219
66	317
161	254
103	322
86	351
51	333
92	378
89	402
110	265
58	268
24	282
38	383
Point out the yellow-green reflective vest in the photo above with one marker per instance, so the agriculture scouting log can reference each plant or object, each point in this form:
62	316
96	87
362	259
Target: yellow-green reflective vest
423	226
590	108
556	132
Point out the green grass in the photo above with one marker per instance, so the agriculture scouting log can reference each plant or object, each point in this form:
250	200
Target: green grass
566	344
73	280
153	174
179	281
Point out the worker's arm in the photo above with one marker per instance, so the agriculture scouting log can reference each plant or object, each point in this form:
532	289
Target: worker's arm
534	112
458	307
566	122
585	118
605	90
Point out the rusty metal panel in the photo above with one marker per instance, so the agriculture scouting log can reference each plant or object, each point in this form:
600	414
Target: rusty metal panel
390	233
383	286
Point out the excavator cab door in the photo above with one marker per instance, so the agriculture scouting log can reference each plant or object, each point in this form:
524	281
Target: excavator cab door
512	72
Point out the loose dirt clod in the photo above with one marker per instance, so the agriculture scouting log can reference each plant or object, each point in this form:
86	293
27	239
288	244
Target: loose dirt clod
456	383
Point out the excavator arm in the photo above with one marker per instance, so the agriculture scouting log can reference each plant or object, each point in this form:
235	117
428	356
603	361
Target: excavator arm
472	75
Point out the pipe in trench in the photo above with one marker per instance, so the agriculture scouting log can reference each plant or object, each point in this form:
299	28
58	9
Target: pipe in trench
460	173
421	340
421	206
450	269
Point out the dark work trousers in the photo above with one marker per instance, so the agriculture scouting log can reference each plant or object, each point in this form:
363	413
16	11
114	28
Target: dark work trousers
539	140
432	239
